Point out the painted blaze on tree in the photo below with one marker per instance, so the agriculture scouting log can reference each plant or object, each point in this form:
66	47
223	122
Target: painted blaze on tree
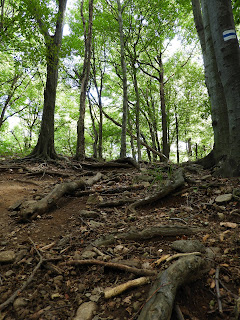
215	25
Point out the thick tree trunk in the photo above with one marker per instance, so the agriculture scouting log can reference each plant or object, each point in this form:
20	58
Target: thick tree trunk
123	151
228	64
45	145
80	148
222	71
213	82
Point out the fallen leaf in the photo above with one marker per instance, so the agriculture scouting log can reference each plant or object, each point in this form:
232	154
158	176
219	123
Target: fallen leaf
206	237
231	225
213	284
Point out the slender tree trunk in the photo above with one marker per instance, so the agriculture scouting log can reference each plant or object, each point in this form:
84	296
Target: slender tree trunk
80	148
177	134
135	82
99	94
123	151
45	145
165	144
95	133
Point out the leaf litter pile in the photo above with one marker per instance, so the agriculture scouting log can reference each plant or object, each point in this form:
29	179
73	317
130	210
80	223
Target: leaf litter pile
115	240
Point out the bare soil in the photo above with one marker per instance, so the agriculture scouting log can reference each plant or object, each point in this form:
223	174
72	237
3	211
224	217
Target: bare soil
57	289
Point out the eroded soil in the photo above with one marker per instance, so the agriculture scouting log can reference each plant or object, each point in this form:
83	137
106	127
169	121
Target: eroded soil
57	289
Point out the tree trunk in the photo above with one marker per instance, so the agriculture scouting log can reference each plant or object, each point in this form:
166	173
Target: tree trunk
123	151
137	111
45	145
177	134
165	144
213	81
222	73
228	63
80	148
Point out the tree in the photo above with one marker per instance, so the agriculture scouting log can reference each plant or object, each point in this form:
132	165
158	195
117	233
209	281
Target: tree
124	81
44	148
80	149
215	25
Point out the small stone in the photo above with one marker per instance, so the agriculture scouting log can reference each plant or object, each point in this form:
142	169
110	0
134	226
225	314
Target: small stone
95	297
221	216
86	311
7	256
19	303
81	287
95	224
188	246
9	273
136	305
89	214
94	199
88	254
58	280
224	198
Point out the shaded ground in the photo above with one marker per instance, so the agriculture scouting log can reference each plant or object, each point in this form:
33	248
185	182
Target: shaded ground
66	232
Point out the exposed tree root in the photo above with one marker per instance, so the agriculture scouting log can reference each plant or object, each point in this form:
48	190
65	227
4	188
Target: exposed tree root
176	181
148	233
119	163
160	304
30	210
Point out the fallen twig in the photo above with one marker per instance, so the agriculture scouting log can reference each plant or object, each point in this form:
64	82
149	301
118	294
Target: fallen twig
119	266
109	293
217	290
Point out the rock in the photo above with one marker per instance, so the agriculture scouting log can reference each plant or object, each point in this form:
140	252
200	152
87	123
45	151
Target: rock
221	216
94	199
95	224
9	273
88	254
86	311
188	246
213	252
95	297
224	198
81	287
58	280
89	214
19	303
120	248
7	256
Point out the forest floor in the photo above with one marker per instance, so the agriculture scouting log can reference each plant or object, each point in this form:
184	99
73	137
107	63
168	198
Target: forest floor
36	253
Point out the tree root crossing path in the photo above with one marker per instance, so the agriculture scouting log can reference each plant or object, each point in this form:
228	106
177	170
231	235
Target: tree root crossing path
118	240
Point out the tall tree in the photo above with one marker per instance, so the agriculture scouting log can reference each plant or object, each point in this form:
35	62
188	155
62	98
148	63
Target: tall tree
80	149
45	146
215	25
124	81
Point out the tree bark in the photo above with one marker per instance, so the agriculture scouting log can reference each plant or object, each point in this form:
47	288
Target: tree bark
222	72
228	64
165	144
80	148
162	294
123	151
45	145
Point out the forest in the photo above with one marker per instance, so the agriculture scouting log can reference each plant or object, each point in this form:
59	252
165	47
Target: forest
119	146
